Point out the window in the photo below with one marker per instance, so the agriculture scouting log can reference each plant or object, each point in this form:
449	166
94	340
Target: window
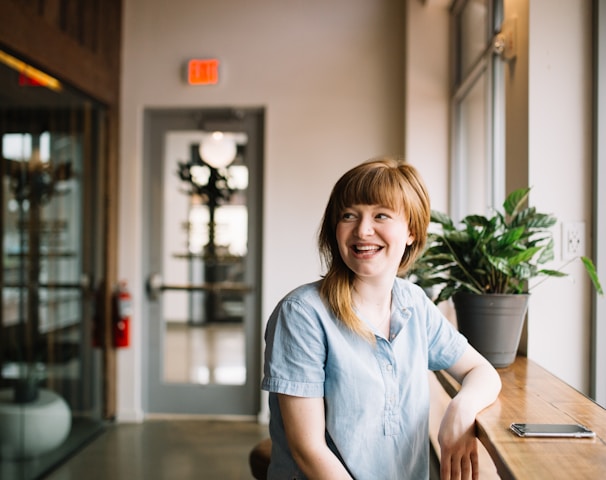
478	178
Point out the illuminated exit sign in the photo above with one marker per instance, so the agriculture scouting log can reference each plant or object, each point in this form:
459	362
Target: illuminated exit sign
203	71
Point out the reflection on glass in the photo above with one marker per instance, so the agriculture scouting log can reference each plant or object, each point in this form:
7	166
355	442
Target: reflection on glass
231	225
212	354
205	245
473	150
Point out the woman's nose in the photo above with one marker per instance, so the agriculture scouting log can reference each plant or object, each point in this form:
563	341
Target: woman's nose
365	227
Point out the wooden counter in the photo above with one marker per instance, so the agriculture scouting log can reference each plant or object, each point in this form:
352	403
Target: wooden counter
531	394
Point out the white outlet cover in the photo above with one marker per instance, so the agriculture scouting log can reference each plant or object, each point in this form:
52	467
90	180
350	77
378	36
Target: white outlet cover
573	240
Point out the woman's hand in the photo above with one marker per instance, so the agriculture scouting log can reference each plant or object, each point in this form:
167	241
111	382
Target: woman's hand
480	386
458	443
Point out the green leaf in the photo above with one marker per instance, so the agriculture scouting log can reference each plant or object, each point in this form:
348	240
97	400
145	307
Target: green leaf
547	254
442	219
515	200
552	273
524	256
593	274
501	264
542	220
510	237
523	271
476	221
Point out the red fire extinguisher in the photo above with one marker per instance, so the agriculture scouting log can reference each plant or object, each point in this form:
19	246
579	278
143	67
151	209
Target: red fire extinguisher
123	308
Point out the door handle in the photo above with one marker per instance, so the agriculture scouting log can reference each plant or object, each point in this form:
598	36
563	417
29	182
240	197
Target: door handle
155	287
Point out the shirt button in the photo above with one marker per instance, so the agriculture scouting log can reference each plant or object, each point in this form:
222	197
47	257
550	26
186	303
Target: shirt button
388	367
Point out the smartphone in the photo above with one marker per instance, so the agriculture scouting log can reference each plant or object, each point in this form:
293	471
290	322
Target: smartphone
567	430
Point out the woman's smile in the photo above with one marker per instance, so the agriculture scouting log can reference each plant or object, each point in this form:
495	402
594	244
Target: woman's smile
366	249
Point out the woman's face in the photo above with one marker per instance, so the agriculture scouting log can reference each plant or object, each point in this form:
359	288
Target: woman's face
372	240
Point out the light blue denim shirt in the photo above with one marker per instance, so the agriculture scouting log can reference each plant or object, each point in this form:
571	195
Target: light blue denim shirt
376	397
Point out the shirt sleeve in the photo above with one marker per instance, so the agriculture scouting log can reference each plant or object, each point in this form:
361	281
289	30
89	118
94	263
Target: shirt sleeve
445	343
295	351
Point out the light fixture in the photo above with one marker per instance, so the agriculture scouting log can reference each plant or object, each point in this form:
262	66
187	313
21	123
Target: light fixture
38	76
218	149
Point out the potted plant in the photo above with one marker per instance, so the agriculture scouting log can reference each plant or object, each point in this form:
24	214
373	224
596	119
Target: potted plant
484	265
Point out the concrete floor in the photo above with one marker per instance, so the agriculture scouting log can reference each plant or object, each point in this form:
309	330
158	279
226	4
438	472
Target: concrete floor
166	449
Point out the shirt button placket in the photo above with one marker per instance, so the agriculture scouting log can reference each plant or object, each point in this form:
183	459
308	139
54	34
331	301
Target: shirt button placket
391	427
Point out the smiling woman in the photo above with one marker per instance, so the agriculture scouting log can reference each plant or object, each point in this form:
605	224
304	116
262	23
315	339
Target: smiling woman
346	357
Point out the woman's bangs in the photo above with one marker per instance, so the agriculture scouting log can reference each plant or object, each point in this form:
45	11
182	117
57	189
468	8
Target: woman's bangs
375	188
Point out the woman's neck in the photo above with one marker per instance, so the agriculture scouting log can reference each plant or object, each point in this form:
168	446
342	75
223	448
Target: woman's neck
373	302
372	293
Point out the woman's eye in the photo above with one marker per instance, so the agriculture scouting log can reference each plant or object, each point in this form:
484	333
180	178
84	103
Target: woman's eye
382	216
347	216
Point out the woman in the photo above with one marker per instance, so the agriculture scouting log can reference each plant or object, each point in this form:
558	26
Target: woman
346	357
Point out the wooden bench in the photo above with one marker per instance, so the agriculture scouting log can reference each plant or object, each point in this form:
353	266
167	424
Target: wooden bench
258	459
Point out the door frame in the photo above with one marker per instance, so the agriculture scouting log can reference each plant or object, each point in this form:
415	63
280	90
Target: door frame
188	399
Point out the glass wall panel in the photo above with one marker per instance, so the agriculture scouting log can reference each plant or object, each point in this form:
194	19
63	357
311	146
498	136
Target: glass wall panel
472	150
49	368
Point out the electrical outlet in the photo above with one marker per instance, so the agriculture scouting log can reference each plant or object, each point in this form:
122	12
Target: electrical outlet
573	240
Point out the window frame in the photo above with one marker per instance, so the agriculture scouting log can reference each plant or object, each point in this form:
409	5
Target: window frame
598	361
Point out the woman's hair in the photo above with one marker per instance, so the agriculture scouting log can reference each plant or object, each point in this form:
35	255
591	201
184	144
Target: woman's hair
382	181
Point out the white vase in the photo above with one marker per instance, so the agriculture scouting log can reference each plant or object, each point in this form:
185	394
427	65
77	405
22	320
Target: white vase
31	429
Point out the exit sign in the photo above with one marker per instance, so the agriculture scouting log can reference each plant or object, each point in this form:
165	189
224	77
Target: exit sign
203	71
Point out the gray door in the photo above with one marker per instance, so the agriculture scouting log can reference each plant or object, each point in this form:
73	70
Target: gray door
202	254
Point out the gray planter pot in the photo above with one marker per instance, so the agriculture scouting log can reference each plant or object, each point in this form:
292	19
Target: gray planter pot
492	324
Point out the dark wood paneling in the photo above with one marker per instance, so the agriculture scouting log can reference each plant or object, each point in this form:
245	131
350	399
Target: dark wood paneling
73	20
62	53
90	27
50	10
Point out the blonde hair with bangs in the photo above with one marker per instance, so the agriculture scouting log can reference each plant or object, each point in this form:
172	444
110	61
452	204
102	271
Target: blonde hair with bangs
384	181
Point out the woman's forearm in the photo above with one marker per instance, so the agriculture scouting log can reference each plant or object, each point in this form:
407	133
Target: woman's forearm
480	387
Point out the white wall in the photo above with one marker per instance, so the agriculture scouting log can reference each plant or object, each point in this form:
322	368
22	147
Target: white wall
427	95
329	75
560	128
549	148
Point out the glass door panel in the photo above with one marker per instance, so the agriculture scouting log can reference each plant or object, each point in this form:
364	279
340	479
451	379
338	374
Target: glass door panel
205	237
50	385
